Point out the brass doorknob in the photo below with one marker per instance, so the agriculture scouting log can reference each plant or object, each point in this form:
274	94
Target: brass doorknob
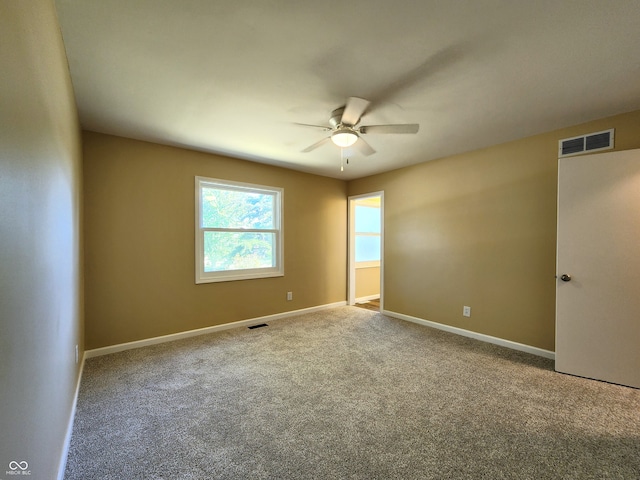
565	277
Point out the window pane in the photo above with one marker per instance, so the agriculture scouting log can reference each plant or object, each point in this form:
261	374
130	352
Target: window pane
238	251
367	219
367	248
222	208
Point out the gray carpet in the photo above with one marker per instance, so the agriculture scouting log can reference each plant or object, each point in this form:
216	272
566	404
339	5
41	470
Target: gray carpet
346	393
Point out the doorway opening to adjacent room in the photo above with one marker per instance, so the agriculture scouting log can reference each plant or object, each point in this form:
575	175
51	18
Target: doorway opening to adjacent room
366	249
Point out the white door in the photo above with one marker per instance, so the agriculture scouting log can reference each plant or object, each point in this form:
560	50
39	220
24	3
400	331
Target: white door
598	267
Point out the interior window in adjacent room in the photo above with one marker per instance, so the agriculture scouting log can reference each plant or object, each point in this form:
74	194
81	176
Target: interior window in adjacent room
367	233
238	231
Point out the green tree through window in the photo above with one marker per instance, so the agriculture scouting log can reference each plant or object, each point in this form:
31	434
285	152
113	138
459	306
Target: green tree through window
239	230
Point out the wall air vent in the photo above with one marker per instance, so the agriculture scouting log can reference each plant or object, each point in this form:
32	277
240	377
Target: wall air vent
257	326
586	143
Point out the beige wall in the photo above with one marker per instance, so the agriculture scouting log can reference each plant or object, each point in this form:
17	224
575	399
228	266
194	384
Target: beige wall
139	227
367	282
476	229
40	244
479	229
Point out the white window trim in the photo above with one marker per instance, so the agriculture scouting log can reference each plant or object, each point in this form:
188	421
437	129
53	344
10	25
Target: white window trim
246	274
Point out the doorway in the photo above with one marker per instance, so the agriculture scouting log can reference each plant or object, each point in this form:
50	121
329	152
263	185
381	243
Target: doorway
366	247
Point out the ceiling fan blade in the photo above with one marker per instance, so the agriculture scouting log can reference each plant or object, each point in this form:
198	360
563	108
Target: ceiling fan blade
353	110
316	145
324	127
403	128
364	147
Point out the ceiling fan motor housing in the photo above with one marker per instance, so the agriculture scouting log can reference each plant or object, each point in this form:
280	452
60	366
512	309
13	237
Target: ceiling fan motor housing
336	117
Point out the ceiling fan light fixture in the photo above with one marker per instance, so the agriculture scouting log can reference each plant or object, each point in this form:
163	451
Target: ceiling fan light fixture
344	137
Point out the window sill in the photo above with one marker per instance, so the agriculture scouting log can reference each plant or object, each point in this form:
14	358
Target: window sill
235	276
367	264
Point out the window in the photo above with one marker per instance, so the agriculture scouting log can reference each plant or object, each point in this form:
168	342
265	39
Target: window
238	231
367	235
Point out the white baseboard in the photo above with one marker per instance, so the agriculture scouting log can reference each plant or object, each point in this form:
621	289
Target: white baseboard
62	464
367	298
478	336
96	352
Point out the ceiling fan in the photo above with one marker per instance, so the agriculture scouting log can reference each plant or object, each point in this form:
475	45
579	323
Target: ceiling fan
345	131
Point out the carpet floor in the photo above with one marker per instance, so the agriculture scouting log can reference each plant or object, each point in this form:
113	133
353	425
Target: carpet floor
346	393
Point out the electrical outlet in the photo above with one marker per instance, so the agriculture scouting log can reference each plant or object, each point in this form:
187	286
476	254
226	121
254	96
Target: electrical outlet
466	311
289	296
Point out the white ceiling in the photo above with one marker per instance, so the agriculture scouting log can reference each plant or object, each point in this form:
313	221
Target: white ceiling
234	77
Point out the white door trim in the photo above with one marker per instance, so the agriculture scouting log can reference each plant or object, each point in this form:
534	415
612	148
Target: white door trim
351	280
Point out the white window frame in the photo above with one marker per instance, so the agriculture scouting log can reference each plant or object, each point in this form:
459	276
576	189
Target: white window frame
244	274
